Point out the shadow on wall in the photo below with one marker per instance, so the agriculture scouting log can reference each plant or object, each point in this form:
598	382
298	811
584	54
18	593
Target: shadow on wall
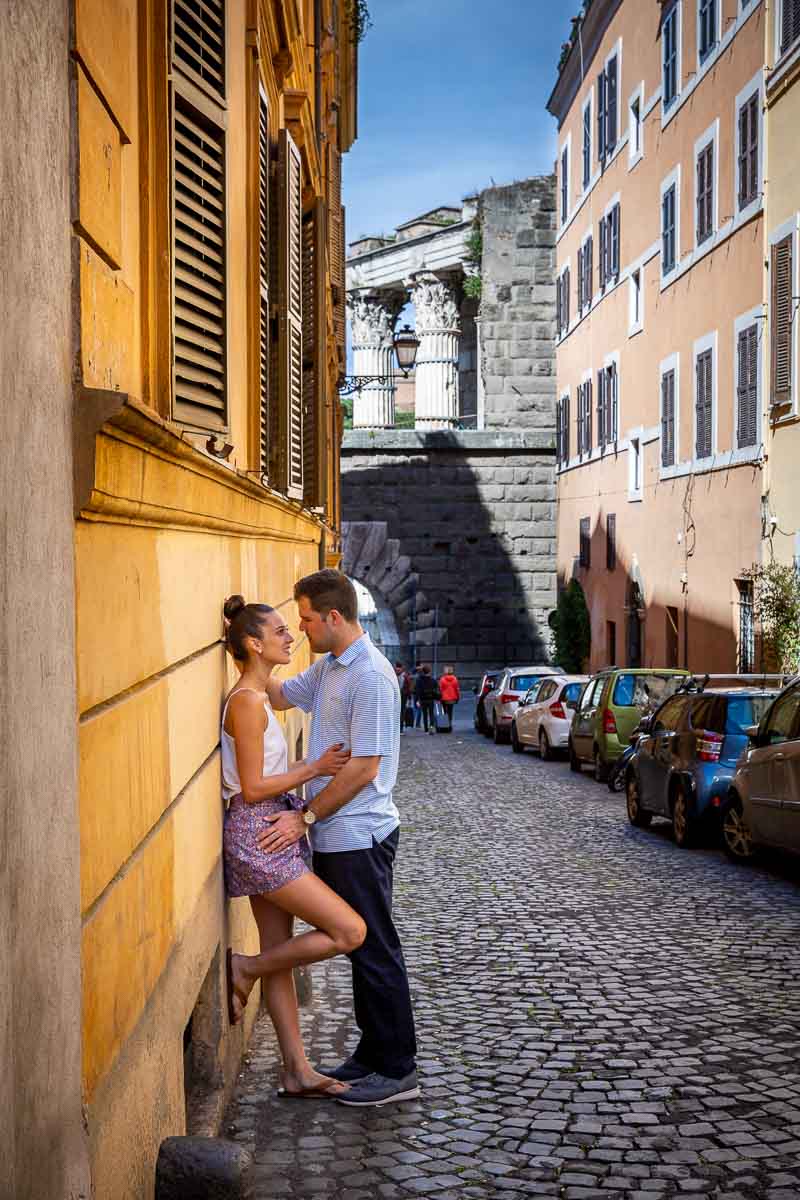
434	531
634	626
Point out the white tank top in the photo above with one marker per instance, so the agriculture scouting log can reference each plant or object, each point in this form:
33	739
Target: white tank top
276	754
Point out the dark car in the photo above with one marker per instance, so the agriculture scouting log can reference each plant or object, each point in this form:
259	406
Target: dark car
485	686
684	763
763	804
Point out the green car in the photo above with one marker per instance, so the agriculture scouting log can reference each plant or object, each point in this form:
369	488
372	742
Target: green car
610	708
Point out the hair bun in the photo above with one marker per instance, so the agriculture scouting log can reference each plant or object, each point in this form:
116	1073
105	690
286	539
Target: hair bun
233	606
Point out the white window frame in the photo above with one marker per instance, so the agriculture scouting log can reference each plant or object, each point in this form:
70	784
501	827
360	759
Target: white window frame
718	32
666	111
590	104
778	23
674	177
588	377
708	341
565	145
756	85
565	395
634	155
671	363
588	234
635	325
616	49
754	316
636	458
709	137
792	226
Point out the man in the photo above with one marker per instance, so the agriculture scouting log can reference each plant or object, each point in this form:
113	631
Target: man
404	683
353	824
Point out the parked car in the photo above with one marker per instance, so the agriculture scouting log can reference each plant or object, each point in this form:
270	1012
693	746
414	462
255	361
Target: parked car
763	804
685	759
481	692
501	703
544	715
612	704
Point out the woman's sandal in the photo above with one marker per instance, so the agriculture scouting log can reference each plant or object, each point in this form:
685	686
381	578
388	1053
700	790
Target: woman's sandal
233	991
328	1091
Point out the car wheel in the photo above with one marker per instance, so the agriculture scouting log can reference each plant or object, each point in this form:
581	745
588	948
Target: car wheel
636	814
574	761
681	821
516	744
737	841
545	749
600	768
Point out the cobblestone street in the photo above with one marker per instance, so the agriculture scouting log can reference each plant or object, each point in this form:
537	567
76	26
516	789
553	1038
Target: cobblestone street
600	1014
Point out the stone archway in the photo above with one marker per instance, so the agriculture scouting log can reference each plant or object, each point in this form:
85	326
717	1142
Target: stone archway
376	560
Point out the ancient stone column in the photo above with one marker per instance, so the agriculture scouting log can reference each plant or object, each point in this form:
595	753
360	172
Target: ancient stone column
436	375
372	319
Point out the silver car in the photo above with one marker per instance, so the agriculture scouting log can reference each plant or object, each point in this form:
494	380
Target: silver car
763	806
501	703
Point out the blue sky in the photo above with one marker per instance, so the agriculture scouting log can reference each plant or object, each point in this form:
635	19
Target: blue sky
452	95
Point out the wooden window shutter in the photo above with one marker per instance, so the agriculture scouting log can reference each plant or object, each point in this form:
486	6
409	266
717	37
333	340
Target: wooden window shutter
565	424
336	226
747	387
290	319
611	105
588	437
601	258
589	269
601	408
614	219
790	23
314	364
703	405
611	541
565	299
668	419
611	403
781	321
601	116
267	413
199	213
754	107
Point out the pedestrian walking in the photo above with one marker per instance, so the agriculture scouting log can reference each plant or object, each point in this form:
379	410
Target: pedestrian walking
404	683
450	694
417	707
354	697
425	692
257	783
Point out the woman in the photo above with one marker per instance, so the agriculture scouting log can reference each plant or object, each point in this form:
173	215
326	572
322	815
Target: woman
257	783
450	693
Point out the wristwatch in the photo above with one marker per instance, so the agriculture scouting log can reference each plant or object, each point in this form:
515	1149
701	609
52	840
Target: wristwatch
309	817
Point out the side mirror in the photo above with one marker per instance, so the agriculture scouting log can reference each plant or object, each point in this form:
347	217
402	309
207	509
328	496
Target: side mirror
752	733
644	726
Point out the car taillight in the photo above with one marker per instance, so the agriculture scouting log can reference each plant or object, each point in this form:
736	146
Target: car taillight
557	709
508	697
709	746
609	721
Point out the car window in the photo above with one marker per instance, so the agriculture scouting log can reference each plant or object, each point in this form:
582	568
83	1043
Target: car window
744	711
592	693
532	695
670	716
782	722
521	683
708	712
571	692
644	691
546	691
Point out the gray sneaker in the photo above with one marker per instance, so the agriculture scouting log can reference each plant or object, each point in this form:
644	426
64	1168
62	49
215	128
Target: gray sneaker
376	1090
349	1070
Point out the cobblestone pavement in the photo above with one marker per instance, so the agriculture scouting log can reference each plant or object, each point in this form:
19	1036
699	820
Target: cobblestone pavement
600	1014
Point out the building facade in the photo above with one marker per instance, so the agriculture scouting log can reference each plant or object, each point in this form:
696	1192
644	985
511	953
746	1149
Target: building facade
782	258
660	289
192	307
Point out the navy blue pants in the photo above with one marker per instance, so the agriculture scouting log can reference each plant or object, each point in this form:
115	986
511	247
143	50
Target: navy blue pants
381	998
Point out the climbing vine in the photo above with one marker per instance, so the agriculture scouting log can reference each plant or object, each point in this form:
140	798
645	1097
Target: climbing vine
359	19
473	283
776	608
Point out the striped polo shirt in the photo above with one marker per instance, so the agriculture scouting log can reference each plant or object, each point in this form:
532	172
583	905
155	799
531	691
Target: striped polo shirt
354	699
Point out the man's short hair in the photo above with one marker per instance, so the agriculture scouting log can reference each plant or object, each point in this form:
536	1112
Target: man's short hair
329	589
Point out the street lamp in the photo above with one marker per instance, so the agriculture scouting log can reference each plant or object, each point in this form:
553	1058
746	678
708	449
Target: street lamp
406	345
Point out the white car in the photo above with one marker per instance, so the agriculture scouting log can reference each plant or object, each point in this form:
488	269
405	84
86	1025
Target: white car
501	703
544	716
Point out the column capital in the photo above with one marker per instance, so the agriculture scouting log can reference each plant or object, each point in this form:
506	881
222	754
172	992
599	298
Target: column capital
435	303
372	317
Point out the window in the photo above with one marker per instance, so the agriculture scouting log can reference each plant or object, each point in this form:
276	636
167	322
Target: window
644	691
585	418
747	638
636	311
747	157
587	143
782	722
704	411
706	27
668	419
705	193
585	544
611	541
289	455
611	643
264	268
199	215
564	185
670	716
562	429
562	302
672	636
607	110
668	229
790	23
314	365
635	469
607	405
781	320
747	387
670	43
585	269
635	127
609	247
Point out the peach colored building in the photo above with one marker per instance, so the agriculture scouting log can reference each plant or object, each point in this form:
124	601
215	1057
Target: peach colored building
660	350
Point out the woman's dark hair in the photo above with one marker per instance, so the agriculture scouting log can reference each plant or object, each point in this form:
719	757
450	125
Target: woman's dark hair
245	620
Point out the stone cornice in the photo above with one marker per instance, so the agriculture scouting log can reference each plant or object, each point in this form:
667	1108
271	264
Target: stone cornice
460	441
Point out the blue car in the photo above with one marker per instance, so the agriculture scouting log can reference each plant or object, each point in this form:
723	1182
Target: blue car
684	762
